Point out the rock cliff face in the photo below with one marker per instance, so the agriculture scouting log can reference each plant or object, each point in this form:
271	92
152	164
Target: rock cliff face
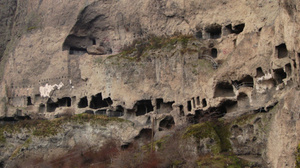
159	64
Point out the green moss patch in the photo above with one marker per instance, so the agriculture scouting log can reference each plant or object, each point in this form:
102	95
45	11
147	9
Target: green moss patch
216	130
298	156
221	161
45	128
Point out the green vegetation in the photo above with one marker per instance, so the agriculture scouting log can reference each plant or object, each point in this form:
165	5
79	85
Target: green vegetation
216	130
140	47
298	156
220	161
19	148
45	128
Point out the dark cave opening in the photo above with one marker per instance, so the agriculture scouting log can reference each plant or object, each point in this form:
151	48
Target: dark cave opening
214	52
259	72
181	111
282	51
83	102
29	103
166	123
204	103
224	89
235	29
198	100
97	101
93	41
189	105
214	31
64	102
279	75
143	107
247	81
144	134
51	106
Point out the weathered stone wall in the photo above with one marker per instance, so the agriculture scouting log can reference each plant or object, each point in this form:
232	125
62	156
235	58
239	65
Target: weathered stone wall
219	59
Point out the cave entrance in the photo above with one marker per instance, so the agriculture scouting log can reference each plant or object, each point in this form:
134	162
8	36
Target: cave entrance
224	89
198	100
93	41
214	53
279	75
166	123
145	134
97	101
143	107
259	72
247	81
214	31
83	102
51	106
29	103
237	29
189	105
204	103
282	51
181	111
64	102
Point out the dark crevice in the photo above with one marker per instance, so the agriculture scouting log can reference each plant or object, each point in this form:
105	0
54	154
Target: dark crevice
189	105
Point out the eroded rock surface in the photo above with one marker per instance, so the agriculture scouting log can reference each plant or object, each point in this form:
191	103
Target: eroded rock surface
160	64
